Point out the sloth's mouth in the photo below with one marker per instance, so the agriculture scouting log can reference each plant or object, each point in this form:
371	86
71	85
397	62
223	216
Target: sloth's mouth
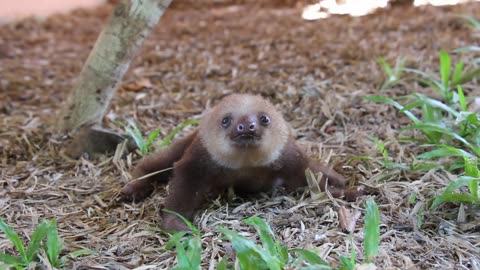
248	139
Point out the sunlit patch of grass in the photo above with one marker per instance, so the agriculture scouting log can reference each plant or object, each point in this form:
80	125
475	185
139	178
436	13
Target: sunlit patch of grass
44	240
451	131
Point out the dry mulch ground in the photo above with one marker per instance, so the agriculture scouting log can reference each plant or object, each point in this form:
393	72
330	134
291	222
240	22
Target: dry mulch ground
316	72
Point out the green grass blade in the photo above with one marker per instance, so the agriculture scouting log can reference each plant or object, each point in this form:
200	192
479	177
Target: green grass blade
372	230
346	263
461	98
14	238
455	198
467	49
471	167
457	73
244	249
474	23
445	71
471	170
12	260
54	244
468	76
386	67
448	196
222	265
137	138
189	224
250	255
433	127
282	252
37	237
170	136
426	79
81	252
436	104
194	252
380	99
430	114
152	137
310	256
445	151
175	240
315	267
265	232
182	259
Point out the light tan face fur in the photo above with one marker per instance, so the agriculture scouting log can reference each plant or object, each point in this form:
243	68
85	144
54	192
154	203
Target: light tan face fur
222	149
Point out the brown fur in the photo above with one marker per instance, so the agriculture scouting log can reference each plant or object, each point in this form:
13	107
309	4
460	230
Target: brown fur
215	157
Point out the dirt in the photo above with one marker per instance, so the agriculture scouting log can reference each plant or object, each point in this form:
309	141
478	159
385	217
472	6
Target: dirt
316	72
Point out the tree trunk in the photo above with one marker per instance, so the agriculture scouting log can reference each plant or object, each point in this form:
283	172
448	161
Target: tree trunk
122	37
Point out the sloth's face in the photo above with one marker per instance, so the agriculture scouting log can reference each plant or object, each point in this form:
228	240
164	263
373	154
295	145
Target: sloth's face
245	130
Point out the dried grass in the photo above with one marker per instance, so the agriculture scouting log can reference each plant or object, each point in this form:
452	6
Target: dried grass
316	72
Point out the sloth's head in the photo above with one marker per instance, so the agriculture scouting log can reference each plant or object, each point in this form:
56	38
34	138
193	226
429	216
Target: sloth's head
244	131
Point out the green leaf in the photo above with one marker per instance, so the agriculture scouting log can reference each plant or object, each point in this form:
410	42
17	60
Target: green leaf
81	252
316	267
455	198
386	67
435	103
440	128
448	196
137	138
152	137
461	98
175	240
12	260
310	256
282	252
54	244
372	230
467	49
427	79
471	20
265	233
420	217
457	74
380	99
471	170
37	237
222	265
445	70
412	197
250	255
182	259
468	76
194	252
15	239
189	224
170	136
444	151
346	263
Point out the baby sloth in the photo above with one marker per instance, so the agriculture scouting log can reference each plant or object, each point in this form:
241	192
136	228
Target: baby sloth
244	143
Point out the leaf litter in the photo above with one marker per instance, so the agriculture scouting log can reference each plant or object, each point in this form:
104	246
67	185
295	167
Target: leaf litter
315	72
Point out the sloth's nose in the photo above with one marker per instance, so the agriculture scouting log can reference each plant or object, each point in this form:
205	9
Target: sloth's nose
246	127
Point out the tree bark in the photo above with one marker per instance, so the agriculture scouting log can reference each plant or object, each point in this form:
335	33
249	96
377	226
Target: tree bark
120	40
126	29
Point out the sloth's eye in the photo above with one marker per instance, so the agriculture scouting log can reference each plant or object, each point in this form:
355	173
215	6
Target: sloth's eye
265	120
226	121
